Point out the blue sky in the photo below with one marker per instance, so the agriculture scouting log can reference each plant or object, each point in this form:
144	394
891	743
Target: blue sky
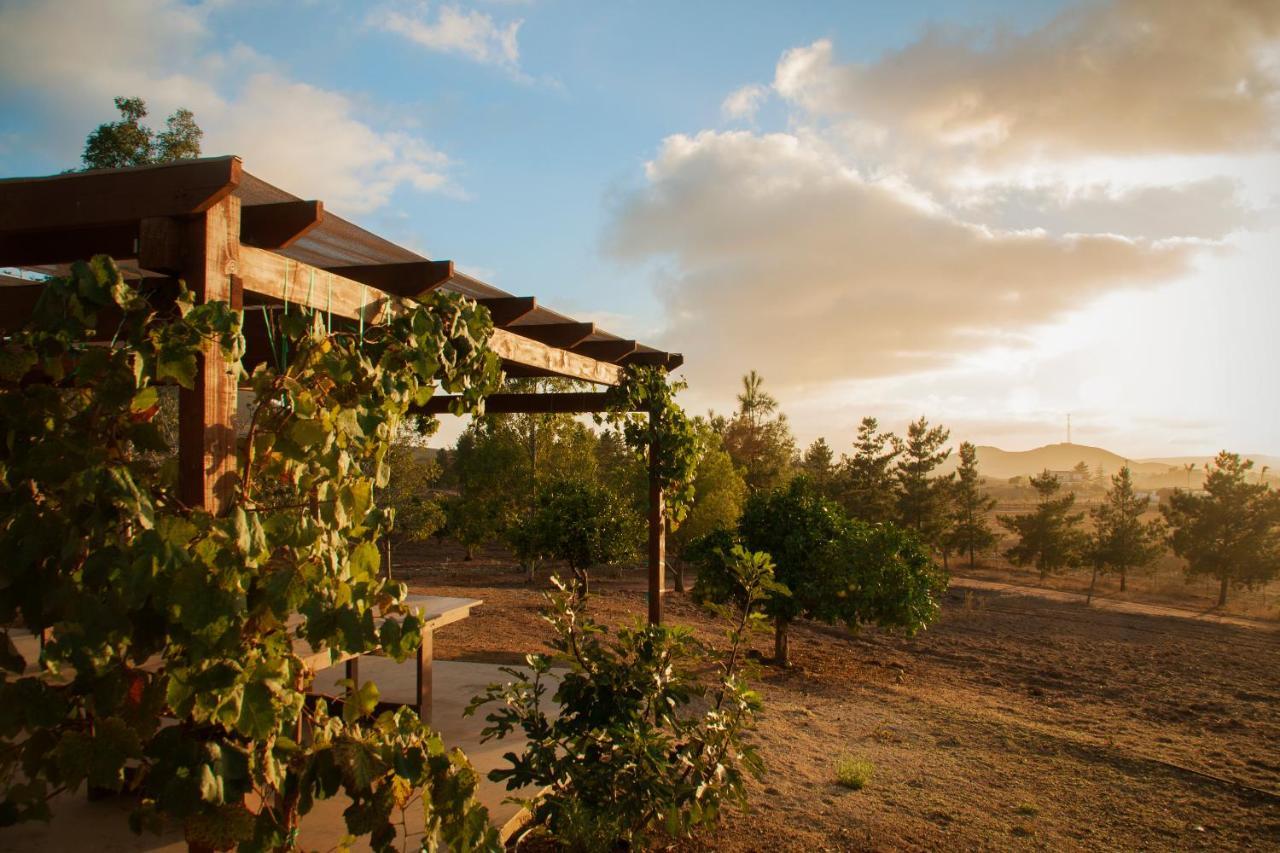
926	208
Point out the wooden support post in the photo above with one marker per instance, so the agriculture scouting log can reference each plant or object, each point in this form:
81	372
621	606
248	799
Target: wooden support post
657	538
206	413
423	695
353	673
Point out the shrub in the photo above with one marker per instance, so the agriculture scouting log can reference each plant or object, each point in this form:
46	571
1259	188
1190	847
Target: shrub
639	746
854	773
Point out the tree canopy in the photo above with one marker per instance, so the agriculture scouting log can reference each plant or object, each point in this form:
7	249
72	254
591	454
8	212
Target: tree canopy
969	530
128	142
1121	541
1048	537
1232	532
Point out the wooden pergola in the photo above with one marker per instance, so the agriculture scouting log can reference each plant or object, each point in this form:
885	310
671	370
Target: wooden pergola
233	237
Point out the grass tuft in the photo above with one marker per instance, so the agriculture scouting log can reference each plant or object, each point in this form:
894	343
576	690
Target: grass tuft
1028	809
853	773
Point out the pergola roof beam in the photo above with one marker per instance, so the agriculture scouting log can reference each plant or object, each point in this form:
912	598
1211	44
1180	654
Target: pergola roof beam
408	279
505	310
569	402
563	335
611	351
108	196
275	226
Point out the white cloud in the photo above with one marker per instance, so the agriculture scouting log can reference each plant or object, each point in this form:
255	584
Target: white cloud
470	33
789	259
308	139
744	102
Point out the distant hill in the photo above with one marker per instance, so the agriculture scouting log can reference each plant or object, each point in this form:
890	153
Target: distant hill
1003	464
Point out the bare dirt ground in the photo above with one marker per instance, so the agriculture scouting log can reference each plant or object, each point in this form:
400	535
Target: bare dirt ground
1015	722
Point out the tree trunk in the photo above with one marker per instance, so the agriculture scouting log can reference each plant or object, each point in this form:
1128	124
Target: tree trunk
1222	593
971	557
781	650
677	569
583	583
471	553
946	561
1093	581
1124	577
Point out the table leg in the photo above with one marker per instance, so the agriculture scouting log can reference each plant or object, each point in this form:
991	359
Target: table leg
424	677
353	673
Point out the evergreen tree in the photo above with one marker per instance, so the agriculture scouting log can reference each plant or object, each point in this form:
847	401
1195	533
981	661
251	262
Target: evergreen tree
1121	540
970	504
1230	532
1048	537
759	439
128	142
866	481
924	501
818	465
719	494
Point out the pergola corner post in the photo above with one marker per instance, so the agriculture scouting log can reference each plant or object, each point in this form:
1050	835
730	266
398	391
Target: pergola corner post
657	532
210	251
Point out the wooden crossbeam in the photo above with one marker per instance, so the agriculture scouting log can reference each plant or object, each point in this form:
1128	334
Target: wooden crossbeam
563	335
282	279
410	279
275	226
58	247
568	402
505	310
612	351
108	196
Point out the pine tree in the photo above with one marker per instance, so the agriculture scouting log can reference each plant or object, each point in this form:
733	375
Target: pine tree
1230	532
818	465
758	440
1048	537
970	504
1121	540
924	501
866	487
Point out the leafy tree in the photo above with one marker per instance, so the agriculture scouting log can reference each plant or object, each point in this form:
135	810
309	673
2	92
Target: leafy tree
867	486
828	567
418	513
970	533
582	523
1121	540
1048	537
637	747
719	494
182	625
758	440
924	501
1230	532
128	142
488	466
818	464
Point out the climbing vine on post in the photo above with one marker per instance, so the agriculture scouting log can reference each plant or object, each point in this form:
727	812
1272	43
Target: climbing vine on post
644	404
156	611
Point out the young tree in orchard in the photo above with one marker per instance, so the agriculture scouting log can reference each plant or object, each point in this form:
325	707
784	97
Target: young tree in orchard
582	523
128	142
758	440
1048	537
418	513
866	480
924	500
486	460
829	567
719	494
1232	532
970	533
1121	541
184	626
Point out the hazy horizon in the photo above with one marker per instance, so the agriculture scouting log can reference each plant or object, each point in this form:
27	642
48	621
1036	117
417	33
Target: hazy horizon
990	213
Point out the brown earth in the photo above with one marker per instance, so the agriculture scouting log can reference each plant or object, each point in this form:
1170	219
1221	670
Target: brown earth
1015	722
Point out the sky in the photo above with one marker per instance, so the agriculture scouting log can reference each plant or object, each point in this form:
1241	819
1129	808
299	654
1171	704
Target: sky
994	214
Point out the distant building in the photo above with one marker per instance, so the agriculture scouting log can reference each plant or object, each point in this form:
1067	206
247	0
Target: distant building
1071	476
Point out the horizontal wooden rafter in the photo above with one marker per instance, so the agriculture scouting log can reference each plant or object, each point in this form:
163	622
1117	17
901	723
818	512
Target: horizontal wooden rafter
275	226
282	279
556	334
569	402
108	196
409	279
613	351
57	247
505	310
